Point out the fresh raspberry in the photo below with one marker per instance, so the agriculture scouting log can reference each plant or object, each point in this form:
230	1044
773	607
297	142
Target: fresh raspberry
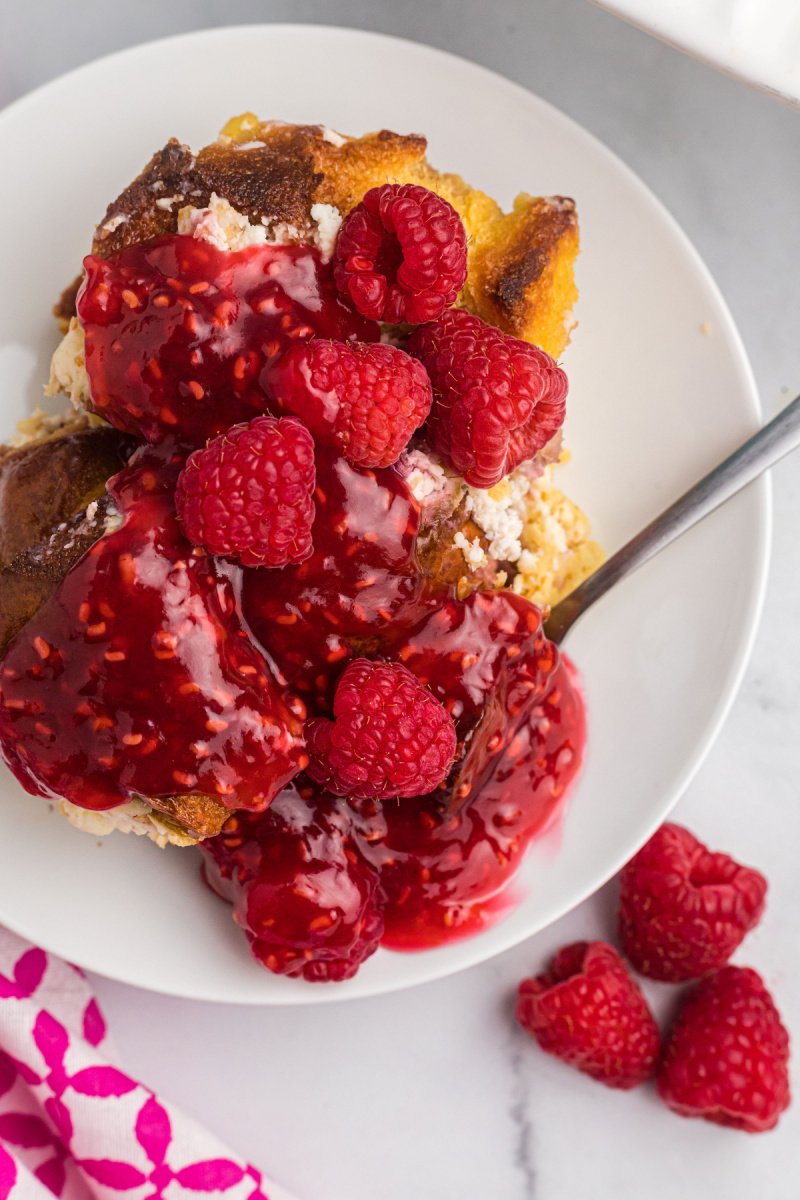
401	254
248	494
683	909
303	893
727	1059
390	737
364	399
588	1011
496	400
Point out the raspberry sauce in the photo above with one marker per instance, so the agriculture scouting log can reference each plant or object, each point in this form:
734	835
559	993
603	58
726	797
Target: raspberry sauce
177	332
138	677
440	864
159	670
360	590
302	891
444	873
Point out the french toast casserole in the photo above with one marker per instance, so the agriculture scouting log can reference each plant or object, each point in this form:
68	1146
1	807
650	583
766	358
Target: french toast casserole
273	583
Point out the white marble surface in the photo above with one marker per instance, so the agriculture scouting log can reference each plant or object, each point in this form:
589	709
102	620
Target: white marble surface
432	1093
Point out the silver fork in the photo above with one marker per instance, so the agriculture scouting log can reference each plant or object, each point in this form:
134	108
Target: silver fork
759	452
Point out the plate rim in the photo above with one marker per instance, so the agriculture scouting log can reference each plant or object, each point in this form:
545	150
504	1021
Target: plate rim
474	951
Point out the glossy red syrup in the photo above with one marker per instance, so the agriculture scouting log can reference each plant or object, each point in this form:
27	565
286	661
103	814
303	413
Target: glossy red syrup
360	590
138	677
159	670
442	863
444	873
177	332
302	891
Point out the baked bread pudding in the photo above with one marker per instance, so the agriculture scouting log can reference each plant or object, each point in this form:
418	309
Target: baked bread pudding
273	584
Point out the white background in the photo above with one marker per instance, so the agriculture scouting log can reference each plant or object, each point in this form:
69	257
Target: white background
432	1093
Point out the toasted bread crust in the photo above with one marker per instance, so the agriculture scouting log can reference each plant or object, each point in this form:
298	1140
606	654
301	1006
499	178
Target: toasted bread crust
507	270
135	216
522	280
36	573
276	180
199	814
349	171
46	482
520	263
273	172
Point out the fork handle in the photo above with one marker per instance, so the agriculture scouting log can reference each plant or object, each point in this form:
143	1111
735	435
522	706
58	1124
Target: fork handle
777	438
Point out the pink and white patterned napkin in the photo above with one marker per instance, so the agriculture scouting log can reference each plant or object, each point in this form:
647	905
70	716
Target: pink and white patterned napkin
72	1123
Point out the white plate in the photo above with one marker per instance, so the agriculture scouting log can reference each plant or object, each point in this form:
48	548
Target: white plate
660	389
755	40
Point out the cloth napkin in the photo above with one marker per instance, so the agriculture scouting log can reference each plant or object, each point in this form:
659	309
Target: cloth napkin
72	1123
